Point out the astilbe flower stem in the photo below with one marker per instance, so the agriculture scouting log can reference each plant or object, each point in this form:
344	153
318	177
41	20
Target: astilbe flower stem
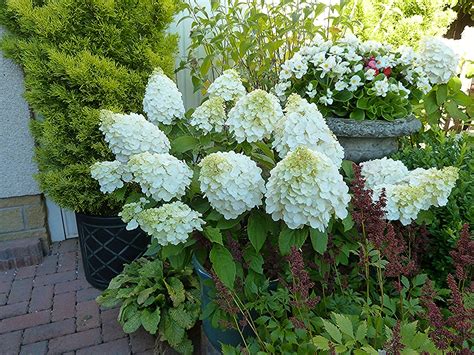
224	298
461	318
463	255
395	345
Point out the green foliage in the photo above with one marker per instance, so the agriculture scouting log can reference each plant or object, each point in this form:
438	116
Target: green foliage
400	22
444	223
253	36
79	57
157	297
447	106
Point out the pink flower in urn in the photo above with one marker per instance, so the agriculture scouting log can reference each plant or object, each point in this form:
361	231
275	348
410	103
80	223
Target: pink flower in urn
372	64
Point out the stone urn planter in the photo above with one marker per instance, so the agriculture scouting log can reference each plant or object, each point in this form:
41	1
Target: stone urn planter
371	139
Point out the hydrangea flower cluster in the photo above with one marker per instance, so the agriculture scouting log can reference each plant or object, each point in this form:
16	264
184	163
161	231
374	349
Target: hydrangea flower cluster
305	188
108	174
171	223
408	192
303	125
161	176
255	116
227	86
210	116
131	134
438	60
231	182
163	103
380	172
363	75
130	211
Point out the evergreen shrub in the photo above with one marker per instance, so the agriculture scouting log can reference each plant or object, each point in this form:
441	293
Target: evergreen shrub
79	57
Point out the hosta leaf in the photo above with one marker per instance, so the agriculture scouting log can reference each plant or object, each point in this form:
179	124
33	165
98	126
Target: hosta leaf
150	320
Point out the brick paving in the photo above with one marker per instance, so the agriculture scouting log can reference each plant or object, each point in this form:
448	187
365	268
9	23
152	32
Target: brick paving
50	309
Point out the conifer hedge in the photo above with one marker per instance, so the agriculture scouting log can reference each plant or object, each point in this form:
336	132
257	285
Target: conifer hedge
79	56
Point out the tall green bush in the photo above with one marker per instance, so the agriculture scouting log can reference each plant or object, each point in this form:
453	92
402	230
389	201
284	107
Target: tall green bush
400	22
78	57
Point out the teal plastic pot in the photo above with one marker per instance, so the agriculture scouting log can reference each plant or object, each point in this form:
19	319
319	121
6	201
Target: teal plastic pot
216	336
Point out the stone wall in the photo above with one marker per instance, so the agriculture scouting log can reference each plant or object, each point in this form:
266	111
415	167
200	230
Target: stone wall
22	212
23	217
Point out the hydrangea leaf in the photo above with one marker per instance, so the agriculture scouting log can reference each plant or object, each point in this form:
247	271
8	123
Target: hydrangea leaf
223	264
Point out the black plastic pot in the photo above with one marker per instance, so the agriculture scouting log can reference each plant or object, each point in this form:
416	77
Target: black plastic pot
106	246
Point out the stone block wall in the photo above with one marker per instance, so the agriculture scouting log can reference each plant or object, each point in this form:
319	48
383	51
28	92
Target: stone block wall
23	217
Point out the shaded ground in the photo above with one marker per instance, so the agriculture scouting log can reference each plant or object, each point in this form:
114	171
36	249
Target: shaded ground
51	309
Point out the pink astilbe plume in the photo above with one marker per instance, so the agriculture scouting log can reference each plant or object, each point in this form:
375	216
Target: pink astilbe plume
461	318
463	254
394	346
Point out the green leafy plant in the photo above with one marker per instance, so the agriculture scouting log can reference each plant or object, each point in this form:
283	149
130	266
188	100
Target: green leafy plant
255	37
78	57
157	297
440	149
400	22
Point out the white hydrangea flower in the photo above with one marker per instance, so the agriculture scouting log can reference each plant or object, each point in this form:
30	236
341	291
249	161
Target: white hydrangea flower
210	116
108	174
280	89
436	183
131	134
383	171
231	182
129	212
404	202
228	86
161	176
303	125
163	102
171	223
305	188
255	116
438	60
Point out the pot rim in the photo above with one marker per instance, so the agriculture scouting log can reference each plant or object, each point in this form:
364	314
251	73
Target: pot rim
347	127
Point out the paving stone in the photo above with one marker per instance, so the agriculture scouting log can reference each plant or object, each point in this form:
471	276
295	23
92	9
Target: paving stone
87	315
12	310
141	341
67	246
49	331
116	347
5	286
24	321
67	262
20	291
64	306
39	348
25	272
74	341
7	276
55	278
10	342
41	298
71	286
88	294
111	328
49	266
3	299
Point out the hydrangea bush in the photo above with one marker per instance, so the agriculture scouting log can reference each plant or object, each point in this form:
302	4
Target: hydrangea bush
365	80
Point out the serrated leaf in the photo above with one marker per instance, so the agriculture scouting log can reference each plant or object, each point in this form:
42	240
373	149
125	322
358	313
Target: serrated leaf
344	324
332	330
348	223
143	295
183	144
441	94
257	230
213	234
171	331
361	332
182	317
320	342
150	320
319	240
132	323
223	264
175	290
